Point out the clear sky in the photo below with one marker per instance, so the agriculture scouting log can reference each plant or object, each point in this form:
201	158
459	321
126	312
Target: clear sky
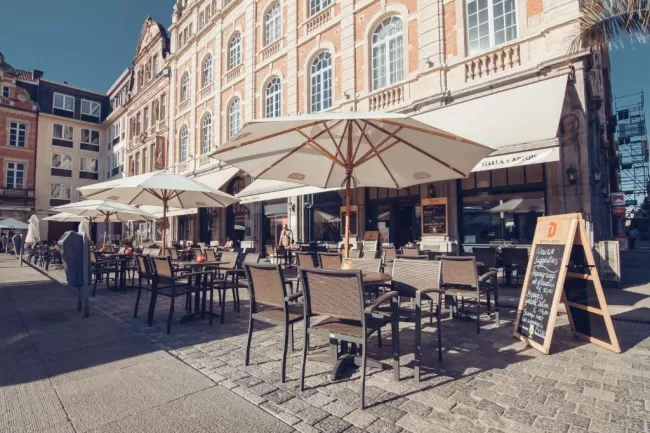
90	42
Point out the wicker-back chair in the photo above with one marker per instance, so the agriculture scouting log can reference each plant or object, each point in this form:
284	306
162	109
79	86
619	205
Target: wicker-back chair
410	251
389	253
104	268
155	251
339	297
419	280
487	257
210	255
229	274
330	261
413	257
145	281
355	254
305	260
270	303
460	279
371	265
514	259
167	283
197	251
173	253
250	259
369	248
146	251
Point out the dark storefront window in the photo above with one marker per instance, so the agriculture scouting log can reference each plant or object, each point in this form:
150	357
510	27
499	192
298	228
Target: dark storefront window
236	213
327	223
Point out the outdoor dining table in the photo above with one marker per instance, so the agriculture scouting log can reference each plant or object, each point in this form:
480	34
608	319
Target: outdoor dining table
199	305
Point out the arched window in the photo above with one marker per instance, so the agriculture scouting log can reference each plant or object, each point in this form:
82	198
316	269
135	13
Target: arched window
234	51
273	24
387	53
206	133
206	75
316	6
185	86
184	143
234	117
273	98
321	82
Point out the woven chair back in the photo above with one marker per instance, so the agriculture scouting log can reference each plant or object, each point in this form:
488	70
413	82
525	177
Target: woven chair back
305	260
337	294
369	265
459	271
329	260
265	284
410	276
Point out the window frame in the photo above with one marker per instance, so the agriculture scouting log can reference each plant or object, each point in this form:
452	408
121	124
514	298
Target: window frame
17	134
15	170
91	103
5	91
231	116
320	77
206	71
206	133
234	49
317	6
491	26
90	136
183	144
68	189
81	165
274	98
62	155
64	97
64	128
385	43
273	23
185	87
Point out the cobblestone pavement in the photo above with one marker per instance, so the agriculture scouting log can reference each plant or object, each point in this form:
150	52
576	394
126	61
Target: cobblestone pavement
486	383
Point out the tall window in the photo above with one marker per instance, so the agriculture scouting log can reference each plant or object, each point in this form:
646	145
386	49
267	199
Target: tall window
154	63
17	134
234	51
63	132
88	165
5	91
321	82
60	191
490	23
206	133
273	24
316	6
89	136
234	117
206	77
63	102
185	87
387	53
90	108
163	106
184	137
145	118
15	175
61	161
273	98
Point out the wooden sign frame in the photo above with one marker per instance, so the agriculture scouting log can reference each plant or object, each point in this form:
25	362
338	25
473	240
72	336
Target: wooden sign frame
434	201
567	230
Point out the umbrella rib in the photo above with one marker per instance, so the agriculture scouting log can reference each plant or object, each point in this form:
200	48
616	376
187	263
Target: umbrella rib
281	159
266	137
338	148
310	141
423	152
368	154
138	195
215	199
438	132
380	158
361	137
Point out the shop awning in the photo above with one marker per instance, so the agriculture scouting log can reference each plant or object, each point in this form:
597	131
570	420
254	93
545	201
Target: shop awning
264	190
521	123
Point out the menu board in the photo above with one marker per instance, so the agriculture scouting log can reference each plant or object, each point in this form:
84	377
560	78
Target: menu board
540	291
434	216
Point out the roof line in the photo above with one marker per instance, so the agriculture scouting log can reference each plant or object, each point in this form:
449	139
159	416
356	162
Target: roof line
74	87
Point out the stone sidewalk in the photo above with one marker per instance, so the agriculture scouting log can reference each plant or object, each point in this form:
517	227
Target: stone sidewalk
486	383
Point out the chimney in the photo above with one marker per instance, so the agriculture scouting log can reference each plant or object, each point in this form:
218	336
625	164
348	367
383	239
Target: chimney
65	82
36	74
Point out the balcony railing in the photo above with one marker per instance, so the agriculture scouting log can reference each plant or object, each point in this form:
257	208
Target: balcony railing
206	91
318	20
386	98
5	101
183	105
233	73
492	63
16	193
271	50
162	124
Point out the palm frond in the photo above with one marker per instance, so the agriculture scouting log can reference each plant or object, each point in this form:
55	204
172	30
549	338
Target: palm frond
605	23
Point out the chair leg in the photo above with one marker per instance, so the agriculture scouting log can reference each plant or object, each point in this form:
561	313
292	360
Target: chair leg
496	305
137	300
223	304
292	335
478	312
430	312
379	337
152	308
418	336
95	285
284	352
248	342
439	326
171	314
305	345
363	376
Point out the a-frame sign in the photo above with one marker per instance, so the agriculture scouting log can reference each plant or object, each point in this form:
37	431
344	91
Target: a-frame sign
562	268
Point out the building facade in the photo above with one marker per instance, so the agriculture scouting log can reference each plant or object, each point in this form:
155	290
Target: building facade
493	71
71	142
18	130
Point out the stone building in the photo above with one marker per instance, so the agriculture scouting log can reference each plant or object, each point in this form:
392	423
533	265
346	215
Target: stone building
18	129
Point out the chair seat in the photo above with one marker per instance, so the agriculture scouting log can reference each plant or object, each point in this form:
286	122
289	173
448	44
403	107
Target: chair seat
348	327
463	291
296	312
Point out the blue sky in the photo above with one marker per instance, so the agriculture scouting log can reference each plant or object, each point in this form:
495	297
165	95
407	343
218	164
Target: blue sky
90	42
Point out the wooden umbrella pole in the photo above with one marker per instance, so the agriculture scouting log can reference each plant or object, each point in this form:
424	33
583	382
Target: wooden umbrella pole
164	230
347	215
105	227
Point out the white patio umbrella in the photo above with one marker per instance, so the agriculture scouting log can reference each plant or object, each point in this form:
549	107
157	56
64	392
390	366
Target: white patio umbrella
33	232
13	224
159	188
351	149
107	210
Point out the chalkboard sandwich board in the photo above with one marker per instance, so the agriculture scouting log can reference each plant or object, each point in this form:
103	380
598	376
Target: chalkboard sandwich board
561	268
434	216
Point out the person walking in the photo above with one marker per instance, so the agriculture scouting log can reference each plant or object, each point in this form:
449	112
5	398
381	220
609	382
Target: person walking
285	241
632	235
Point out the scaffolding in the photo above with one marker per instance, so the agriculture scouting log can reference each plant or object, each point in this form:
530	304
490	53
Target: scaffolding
632	149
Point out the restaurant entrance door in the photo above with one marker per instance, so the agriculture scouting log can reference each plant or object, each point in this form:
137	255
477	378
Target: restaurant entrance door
407	224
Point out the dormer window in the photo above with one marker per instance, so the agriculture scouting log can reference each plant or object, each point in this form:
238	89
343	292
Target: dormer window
63	102
90	108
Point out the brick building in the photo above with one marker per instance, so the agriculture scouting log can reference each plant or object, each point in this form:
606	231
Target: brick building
18	130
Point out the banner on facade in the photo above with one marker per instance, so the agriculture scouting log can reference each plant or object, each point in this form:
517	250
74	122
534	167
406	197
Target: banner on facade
618	199
518	159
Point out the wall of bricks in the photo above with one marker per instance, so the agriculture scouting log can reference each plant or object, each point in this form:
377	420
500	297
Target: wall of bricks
451	42
534	7
10	153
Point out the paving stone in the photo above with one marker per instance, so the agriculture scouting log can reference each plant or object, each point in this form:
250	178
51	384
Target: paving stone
519	416
441	418
605	427
545	411
416	424
311	415
627	421
582	398
551	425
467	412
574	429
303	427
383	426
249	381
295	405
630	401
411	406
433	400
360	418
339	409
245	393
589	383
332	424
387	412
581	421
262	388
464	398
319	399
488	406
638	413
515	402
279	396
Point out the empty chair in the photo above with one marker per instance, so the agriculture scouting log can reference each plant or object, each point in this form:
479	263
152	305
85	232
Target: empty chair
486	258
355	254
413	257
370	265
329	260
103	268
146	251
145	281
210	255
410	251
338	296
305	260
250	259
460	279
173	253
198	252
154	251
514	259
229	273
270	303
389	254
369	248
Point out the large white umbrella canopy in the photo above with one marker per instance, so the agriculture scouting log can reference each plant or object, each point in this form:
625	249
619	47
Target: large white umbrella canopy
107	210
13	224
160	188
351	149
33	232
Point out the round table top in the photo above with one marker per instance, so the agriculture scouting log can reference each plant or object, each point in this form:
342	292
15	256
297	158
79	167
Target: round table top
375	277
195	263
